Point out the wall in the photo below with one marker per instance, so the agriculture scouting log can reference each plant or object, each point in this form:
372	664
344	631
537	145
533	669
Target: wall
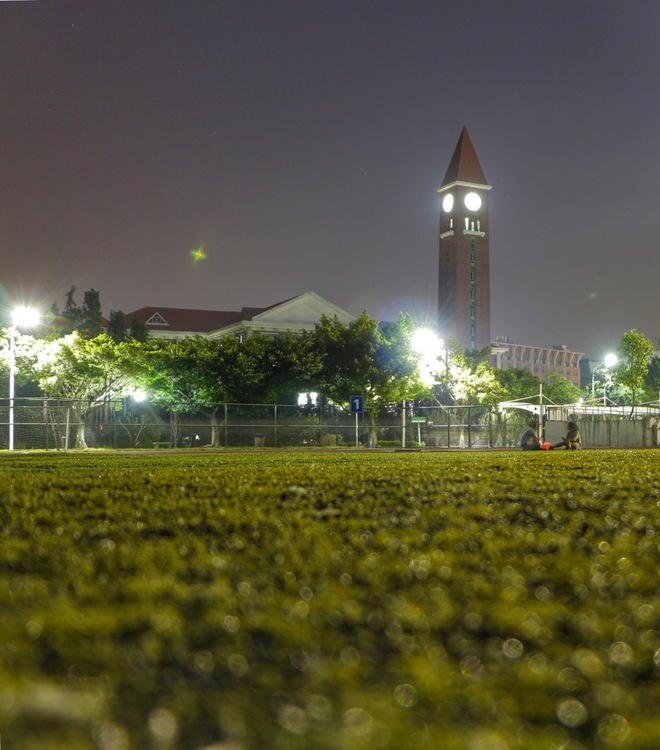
625	433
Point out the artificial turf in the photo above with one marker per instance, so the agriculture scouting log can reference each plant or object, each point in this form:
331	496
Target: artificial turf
478	601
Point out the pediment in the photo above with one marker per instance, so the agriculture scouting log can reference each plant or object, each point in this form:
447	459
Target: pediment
306	309
157	320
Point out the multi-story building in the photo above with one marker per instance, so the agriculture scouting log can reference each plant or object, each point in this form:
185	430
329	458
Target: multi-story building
539	360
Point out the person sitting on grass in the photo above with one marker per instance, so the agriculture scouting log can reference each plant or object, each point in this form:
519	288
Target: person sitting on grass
529	439
573	439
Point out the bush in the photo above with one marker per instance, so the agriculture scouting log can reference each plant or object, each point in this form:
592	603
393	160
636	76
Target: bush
330	440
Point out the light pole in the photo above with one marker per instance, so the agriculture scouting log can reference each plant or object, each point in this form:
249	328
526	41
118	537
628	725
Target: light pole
426	344
21	316
609	361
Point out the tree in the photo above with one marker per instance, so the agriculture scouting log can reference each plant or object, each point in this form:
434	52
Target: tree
291	363
652	380
182	376
468	378
361	359
635	351
25	352
71	313
90	372
86	319
91	318
139	330
560	390
517	383
117	326
198	374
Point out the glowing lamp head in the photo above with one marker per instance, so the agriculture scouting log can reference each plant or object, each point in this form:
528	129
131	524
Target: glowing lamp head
25	317
425	341
610	360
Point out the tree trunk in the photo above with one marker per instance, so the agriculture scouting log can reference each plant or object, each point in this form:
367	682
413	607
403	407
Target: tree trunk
175	428
81	443
372	430
215	429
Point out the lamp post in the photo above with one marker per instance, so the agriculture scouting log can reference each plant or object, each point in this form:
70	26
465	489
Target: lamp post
427	345
21	316
609	361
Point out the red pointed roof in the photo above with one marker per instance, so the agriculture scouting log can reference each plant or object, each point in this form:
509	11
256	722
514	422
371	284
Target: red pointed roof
464	165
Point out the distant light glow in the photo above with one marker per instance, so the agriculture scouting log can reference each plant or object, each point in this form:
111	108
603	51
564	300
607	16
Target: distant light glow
197	253
304	397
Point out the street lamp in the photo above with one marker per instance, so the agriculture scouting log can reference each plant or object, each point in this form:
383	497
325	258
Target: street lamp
609	362
427	345
21	316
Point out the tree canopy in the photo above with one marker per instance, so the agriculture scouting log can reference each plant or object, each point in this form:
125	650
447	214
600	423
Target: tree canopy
87	371
635	352
362	358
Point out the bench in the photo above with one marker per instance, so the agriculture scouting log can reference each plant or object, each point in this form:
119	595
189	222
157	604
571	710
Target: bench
162	444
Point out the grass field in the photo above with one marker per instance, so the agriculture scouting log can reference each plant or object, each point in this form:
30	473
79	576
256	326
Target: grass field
482	601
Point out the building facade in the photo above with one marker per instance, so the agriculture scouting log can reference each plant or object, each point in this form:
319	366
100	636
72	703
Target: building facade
539	360
464	262
294	315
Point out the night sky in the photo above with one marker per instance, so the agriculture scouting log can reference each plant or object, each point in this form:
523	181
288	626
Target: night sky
301	144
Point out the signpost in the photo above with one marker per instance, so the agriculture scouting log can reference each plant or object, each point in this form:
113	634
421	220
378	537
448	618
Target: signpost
357	407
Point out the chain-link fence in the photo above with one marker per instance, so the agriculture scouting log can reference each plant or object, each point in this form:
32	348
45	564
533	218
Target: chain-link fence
61	424
66	424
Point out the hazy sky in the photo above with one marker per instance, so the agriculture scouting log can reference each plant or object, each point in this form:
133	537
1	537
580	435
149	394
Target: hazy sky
301	144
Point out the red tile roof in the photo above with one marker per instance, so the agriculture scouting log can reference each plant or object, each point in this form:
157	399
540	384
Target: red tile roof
196	321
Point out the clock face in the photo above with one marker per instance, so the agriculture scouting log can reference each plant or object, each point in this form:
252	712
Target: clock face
448	203
472	202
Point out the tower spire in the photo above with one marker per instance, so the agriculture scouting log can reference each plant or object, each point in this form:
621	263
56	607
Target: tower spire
464	165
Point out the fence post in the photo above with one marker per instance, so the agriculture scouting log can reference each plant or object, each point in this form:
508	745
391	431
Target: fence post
226	428
66	434
469	420
275	425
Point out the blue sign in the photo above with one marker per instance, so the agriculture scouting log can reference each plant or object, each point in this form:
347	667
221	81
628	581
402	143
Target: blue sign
357	404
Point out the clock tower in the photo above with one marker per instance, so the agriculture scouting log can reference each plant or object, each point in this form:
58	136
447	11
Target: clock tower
464	276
